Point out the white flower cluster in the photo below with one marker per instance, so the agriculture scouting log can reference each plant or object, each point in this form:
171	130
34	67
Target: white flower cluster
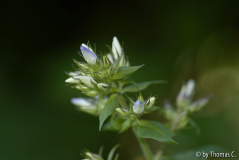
95	76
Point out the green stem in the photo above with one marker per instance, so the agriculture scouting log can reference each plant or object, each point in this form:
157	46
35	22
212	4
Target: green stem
144	147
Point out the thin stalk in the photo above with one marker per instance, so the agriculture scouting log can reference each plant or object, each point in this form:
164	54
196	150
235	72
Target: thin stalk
144	147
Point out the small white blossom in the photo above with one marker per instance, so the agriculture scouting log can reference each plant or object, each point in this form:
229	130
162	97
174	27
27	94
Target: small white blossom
138	107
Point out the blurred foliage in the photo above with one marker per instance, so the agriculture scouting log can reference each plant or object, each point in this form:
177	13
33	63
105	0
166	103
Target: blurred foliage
176	41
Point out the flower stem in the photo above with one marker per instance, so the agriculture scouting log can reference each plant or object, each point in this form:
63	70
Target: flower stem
144	147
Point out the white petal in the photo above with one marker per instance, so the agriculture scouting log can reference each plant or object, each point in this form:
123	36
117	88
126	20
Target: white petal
116	48
189	88
81	102
87	80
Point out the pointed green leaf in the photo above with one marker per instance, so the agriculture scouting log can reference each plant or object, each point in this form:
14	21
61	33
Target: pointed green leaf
141	86
125	125
109	108
111	154
125	71
154	130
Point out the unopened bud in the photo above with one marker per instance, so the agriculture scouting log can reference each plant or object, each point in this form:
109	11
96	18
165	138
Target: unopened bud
138	107
88	54
150	102
121	112
92	93
103	86
72	80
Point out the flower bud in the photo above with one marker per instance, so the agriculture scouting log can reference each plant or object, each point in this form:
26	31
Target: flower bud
73	74
150	102
116	48
91	93
88	54
92	156
103	86
121	112
138	107
72	80
87	80
82	88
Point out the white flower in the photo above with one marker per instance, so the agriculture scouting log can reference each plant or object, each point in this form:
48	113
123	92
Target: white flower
87	80
116	48
72	80
138	107
88	54
187	91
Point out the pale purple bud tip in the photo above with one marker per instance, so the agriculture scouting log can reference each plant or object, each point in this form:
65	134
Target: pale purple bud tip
88	55
138	107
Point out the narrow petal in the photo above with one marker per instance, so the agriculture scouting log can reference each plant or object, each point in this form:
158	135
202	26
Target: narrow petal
190	88
81	102
116	48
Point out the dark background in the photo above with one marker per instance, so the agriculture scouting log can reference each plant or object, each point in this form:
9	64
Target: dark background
175	40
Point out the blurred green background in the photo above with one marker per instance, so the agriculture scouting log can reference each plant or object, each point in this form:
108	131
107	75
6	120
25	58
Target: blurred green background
176	41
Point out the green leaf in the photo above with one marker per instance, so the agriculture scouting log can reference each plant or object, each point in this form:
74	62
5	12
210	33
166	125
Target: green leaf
125	71
125	125
141	86
109	108
110	156
154	130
